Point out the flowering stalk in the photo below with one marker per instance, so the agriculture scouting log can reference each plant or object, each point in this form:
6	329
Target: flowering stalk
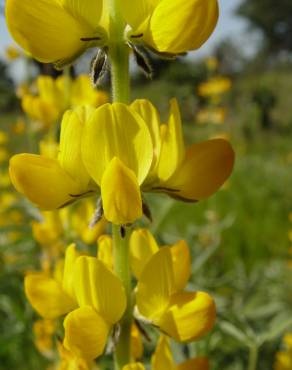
122	269
119	59
119	55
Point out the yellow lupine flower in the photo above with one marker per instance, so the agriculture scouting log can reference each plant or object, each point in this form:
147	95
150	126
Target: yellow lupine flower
52	183
189	174
69	361
56	95
55	31
12	53
215	86
161	298
3	137
162	359
171	27
147	156
101	305
53	296
43	336
117	152
166	27
105	251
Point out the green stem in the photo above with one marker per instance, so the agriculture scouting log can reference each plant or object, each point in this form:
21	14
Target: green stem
119	58
253	358
122	269
118	54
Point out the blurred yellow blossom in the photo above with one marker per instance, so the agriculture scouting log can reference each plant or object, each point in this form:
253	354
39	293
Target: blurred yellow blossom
43	336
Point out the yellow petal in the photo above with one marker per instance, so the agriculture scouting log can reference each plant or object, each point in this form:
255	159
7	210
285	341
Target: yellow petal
70	145
42	181
105	251
181	264
120	192
52	30
156	285
40	110
172	146
47	296
134	366
83	93
136	343
206	167
86	333
189	316
198	363
70	258
178	26
162	358
142	247
151	117
96	286
137	12
115	130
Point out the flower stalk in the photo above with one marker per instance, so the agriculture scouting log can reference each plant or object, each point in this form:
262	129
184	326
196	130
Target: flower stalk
120	82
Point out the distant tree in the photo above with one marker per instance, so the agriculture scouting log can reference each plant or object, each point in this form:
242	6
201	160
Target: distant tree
7	91
273	19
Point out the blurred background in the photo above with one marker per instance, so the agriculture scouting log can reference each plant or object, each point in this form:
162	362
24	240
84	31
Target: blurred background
237	86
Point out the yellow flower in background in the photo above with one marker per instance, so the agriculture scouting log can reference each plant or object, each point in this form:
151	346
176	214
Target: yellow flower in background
78	221
215	86
69	361
53	183
12	53
43	336
3	137
19	126
54	96
166	27
212	63
211	115
160	296
283	359
4	155
171	27
136	343
162	359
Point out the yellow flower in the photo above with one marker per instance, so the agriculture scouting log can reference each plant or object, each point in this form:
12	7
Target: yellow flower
160	295
56	95
69	361
162	359
43	334
12	53
4	155
150	156
3	137
59	31
92	308
136	343
53	296
171	27
53	183
55	31
215	86
101	305
78	220
212	115
147	156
